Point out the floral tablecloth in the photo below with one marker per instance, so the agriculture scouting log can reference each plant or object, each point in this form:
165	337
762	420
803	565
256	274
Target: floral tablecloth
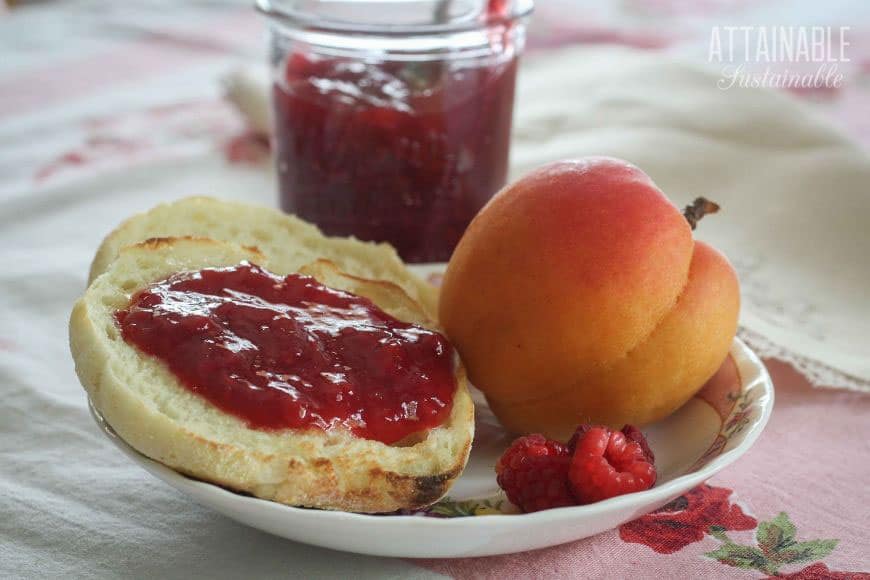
108	108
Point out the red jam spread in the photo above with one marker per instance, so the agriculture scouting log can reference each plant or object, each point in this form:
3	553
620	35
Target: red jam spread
402	152
287	352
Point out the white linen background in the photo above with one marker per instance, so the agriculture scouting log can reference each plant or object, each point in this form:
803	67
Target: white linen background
794	194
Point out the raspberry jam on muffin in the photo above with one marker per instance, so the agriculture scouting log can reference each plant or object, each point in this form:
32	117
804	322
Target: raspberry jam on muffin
285	352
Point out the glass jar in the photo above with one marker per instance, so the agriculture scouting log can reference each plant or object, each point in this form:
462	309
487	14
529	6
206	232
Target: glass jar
393	118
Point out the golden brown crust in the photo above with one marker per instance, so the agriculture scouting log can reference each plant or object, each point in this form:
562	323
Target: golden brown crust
385	490
406	492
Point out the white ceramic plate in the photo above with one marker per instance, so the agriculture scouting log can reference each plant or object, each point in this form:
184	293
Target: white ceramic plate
711	431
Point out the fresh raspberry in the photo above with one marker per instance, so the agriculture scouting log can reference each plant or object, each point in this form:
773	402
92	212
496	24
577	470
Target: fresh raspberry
606	464
534	474
634	434
579	432
630	431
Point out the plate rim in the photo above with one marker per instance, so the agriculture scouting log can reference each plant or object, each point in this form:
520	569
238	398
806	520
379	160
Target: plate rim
569	513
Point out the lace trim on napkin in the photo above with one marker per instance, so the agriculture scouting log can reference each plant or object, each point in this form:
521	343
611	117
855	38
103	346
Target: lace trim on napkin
817	373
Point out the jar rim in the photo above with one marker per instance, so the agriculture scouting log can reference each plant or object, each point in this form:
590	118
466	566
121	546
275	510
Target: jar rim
301	19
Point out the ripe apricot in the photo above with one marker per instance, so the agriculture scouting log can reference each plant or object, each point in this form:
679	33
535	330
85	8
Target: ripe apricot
578	295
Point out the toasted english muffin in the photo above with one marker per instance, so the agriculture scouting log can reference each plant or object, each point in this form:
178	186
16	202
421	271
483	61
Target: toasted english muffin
147	406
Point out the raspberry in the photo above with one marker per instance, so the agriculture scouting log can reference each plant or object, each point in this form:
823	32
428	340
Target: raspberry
538	473
606	464
534	474
630	431
634	434
578	433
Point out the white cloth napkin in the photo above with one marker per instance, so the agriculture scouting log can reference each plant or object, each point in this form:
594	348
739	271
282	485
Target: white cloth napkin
794	192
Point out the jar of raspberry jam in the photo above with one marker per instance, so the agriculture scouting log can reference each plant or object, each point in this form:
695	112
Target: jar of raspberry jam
393	117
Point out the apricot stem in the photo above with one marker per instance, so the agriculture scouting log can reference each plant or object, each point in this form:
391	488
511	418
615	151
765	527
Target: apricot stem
698	209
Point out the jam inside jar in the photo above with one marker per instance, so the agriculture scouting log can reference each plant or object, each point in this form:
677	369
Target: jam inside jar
390	126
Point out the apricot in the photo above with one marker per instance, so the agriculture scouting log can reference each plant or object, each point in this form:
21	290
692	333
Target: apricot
578	294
